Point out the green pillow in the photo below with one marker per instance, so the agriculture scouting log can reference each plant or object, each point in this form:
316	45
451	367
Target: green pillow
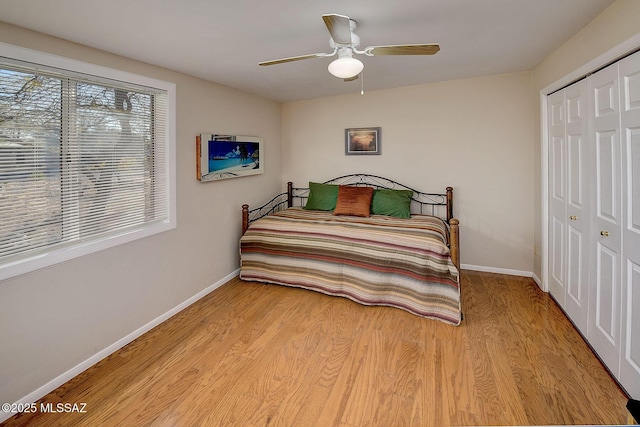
322	197
392	202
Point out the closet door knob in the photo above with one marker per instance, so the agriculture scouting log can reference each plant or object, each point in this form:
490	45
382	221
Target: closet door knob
573	217
604	233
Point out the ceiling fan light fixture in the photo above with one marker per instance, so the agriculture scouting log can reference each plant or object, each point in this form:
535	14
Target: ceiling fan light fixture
345	43
346	67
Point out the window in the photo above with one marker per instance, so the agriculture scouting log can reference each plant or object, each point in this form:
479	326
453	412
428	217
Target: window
86	159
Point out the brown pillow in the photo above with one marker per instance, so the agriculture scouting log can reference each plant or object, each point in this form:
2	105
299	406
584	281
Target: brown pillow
354	201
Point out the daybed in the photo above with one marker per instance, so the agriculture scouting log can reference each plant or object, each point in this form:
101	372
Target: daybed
363	237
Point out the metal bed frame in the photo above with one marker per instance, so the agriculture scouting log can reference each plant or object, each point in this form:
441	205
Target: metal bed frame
436	204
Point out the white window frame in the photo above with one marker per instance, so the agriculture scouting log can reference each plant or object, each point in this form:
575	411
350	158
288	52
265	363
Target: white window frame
55	256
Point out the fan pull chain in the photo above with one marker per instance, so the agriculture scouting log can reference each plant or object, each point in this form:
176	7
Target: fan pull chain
362	82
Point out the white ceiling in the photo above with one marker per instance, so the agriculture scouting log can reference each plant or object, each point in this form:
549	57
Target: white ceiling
223	40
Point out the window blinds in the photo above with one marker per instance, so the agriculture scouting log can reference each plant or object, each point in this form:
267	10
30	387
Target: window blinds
81	159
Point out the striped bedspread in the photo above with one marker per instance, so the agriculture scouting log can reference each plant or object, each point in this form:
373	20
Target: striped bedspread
379	260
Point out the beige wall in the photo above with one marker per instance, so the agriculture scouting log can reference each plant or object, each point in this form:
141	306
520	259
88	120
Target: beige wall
595	42
55	318
474	135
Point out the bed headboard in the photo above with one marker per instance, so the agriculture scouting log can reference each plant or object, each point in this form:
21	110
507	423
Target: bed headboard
437	204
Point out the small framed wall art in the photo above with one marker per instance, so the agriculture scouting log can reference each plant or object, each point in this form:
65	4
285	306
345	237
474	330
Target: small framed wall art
362	141
228	156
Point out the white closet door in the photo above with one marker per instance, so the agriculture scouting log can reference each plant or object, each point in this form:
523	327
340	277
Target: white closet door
604	299
557	196
577	215
630	135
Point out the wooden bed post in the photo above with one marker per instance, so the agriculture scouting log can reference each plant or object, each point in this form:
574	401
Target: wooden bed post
289	194
455	241
454	229
449	203
245	218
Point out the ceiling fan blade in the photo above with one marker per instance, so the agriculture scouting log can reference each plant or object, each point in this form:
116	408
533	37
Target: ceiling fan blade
404	49
291	59
339	27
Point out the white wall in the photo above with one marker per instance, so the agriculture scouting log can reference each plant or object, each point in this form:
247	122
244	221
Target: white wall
474	135
614	26
53	319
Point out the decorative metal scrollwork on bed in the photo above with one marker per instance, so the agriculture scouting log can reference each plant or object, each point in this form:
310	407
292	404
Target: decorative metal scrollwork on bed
436	204
421	203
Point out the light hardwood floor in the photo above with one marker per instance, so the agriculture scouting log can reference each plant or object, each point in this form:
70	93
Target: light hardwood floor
253	355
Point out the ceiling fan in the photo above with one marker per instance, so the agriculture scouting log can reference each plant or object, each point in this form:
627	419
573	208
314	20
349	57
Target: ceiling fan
345	43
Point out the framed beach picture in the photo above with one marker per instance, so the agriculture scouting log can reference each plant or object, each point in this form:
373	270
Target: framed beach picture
228	156
362	141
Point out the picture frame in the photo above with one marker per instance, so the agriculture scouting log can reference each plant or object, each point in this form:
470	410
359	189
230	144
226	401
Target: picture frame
221	156
362	141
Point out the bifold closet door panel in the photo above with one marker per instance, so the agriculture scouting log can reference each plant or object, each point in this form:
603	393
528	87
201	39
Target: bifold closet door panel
578	204
557	197
569	201
630	133
606	225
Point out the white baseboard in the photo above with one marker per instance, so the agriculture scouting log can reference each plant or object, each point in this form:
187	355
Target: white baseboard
537	280
37	394
505	271
497	270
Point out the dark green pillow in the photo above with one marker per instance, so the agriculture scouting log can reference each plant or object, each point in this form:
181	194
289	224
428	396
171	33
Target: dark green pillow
392	203
322	197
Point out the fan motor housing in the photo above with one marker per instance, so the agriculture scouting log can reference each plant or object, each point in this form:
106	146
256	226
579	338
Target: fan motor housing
355	42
